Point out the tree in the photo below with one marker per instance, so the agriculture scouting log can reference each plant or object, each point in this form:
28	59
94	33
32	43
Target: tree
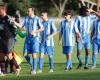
59	6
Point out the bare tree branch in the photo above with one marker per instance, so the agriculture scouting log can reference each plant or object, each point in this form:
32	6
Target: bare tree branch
63	7
60	7
54	3
60	4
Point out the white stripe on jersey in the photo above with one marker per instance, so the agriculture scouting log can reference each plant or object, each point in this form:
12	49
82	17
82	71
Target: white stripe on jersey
67	31
31	24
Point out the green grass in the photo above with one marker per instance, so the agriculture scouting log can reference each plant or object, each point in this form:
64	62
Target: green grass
59	65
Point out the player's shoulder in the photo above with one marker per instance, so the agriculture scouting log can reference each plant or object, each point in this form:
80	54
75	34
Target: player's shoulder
63	21
49	20
72	19
26	17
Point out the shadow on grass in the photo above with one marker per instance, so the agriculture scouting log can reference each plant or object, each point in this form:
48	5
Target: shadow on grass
67	76
59	74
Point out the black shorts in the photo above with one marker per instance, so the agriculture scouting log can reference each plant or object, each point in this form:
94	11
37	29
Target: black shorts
6	46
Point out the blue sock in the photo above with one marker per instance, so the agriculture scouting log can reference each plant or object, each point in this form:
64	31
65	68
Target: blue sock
51	61
86	60
94	59
79	59
41	63
29	60
34	64
68	61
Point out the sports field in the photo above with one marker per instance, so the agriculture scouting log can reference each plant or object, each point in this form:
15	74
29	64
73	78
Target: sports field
59	65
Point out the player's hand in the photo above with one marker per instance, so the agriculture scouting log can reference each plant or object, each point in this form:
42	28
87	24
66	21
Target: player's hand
90	10
77	37
32	32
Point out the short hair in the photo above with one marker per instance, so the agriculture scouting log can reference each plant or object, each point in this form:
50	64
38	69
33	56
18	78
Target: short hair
3	5
33	8
68	12
43	11
83	10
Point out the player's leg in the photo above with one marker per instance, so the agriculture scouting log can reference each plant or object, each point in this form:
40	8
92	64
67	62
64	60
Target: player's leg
41	60
26	51
87	51
49	50
34	63
94	54
79	49
2	64
9	50
68	57
68	61
35	50
6	65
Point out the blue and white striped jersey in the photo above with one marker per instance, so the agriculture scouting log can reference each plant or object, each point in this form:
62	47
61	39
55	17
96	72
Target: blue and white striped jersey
84	24
67	30
96	29
32	24
49	28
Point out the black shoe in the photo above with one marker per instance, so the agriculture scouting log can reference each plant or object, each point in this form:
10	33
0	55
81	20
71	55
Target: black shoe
86	67
70	68
79	66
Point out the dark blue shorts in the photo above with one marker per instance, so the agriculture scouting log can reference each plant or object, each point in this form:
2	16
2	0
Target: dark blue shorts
46	49
67	49
31	45
6	46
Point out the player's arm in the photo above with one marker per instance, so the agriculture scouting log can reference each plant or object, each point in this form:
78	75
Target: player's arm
92	31
77	33
41	28
36	31
97	13
52	30
60	31
60	39
18	25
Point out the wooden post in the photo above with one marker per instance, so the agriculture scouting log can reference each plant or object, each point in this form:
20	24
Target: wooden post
98	5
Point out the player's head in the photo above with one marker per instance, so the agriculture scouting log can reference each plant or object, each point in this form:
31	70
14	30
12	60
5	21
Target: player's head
31	11
44	14
16	18
67	14
3	9
83	11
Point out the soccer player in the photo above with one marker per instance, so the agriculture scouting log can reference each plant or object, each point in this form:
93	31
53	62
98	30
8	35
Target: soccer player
95	36
7	34
7	62
47	43
32	26
83	22
67	31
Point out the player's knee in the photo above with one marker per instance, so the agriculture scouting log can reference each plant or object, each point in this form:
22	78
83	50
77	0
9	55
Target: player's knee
34	55
94	53
41	55
50	56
